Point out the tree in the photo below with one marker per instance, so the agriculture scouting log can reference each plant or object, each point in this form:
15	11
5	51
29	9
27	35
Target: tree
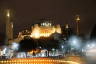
93	33
2	39
27	44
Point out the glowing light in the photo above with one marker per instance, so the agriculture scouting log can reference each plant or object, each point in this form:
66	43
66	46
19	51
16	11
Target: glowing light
21	55
8	13
15	46
4	51
75	42
37	61
67	26
36	35
77	18
90	49
90	45
36	32
44	31
62	46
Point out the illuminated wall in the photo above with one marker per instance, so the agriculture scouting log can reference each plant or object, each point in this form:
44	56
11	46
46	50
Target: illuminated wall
45	30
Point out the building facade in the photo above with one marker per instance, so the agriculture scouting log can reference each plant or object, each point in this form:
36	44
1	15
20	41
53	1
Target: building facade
46	29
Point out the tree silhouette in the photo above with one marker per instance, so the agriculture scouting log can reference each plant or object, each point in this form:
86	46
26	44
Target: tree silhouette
93	33
2	39
27	44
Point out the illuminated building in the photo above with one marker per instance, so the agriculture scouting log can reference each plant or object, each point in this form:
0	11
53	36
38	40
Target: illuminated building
46	29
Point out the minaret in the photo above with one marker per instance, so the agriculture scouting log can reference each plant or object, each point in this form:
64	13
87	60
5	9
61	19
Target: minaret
9	26
77	24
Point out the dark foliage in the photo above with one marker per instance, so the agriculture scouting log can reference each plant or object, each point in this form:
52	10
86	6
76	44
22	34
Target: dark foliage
27	44
93	33
48	43
2	39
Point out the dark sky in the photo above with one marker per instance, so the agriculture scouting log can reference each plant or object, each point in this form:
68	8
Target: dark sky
62	11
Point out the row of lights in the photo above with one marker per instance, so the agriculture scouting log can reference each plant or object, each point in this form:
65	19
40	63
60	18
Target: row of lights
46	24
32	63
37	61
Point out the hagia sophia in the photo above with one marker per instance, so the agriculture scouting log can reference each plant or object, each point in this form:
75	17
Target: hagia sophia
44	30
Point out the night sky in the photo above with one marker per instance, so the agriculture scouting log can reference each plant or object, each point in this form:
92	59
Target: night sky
26	12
